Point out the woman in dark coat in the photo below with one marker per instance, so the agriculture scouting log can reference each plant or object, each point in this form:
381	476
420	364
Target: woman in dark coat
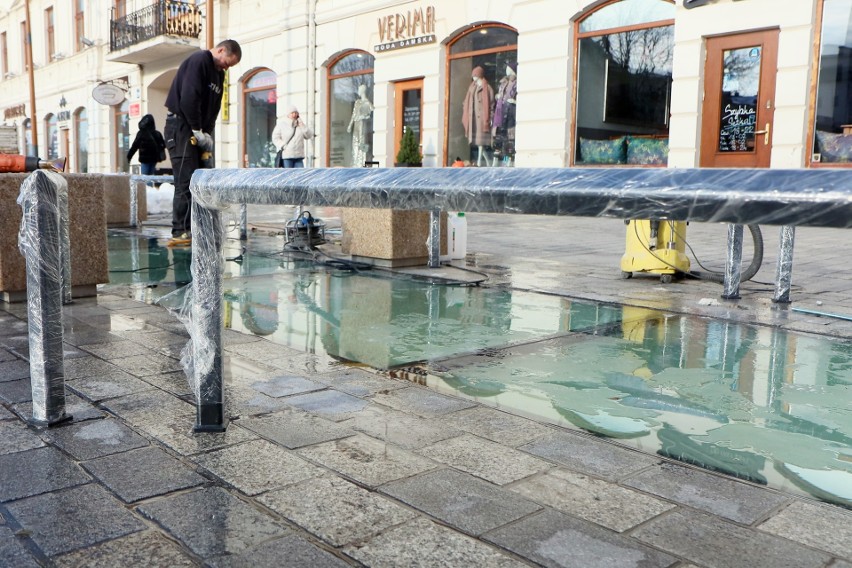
151	146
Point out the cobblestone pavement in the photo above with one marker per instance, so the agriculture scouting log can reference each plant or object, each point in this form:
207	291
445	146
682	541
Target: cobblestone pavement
328	465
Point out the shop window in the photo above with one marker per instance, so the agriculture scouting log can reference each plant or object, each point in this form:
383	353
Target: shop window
28	138
81	136
482	96
623	85
260	99
350	110
52	135
832	139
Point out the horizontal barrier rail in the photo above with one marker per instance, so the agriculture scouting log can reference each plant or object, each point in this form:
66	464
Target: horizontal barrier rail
134	199
820	198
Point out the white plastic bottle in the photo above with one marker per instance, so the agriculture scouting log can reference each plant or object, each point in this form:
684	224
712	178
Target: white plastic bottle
458	236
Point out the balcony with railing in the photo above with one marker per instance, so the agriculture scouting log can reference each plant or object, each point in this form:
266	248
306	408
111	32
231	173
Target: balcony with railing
163	29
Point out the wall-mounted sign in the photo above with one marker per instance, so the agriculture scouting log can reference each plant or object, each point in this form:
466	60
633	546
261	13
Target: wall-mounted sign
108	94
15	111
406	29
134	110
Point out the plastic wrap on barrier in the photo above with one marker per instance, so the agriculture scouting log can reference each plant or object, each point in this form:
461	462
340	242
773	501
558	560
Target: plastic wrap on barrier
820	197
733	263
784	272
39	241
64	240
741	196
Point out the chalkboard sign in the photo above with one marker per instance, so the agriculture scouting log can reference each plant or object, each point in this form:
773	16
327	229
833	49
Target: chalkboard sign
737	124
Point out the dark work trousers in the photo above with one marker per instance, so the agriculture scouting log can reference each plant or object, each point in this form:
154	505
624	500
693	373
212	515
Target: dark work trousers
185	158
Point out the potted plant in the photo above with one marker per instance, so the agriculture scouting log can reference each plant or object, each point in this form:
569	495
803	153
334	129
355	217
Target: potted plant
409	151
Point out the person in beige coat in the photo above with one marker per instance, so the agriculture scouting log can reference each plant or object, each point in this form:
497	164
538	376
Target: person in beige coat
289	138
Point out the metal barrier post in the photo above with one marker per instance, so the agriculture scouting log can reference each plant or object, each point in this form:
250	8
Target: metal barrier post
784	270
206	318
733	264
39	242
134	198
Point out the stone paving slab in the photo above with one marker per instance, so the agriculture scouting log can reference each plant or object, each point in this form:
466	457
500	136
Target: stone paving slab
102	388
331	404
17	391
607	504
818	525
429	545
359	382
95	438
585	454
234	526
715	494
485	459
401	429
116	349
13	370
83	367
553	539
497	426
286	385
366	460
717	543
142	473
73	518
471	504
422	401
289	551
294	428
37	471
147	548
143	365
13	552
336	510
75	406
258	466
16	437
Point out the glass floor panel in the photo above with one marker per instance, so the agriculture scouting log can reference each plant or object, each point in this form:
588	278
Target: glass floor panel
755	402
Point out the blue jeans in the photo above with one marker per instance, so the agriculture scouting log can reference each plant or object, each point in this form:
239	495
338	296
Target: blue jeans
292	162
148	169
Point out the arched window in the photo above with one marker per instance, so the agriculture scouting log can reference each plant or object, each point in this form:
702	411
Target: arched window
623	84
259	101
121	123
350	110
832	123
482	62
52	134
81	137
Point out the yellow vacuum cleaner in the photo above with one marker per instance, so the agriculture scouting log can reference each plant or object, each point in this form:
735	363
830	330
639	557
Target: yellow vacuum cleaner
656	247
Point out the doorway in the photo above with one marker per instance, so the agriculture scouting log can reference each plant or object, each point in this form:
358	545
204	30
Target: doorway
739	100
408	106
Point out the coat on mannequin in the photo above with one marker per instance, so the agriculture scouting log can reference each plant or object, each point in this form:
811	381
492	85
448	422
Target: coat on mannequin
476	113
359	127
504	115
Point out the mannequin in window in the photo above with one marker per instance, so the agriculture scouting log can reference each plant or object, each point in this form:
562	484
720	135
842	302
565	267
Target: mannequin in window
476	114
359	127
504	116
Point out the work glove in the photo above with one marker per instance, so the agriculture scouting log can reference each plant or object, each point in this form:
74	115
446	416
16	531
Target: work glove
203	140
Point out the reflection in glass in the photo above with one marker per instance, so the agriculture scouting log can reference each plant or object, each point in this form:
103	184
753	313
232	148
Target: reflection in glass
52	132
81	127
350	106
628	13
740	90
624	87
260	99
122	136
833	128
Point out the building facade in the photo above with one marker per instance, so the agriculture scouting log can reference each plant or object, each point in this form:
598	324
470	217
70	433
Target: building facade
544	83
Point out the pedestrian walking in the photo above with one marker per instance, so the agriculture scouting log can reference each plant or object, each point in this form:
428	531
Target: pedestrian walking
289	138
150	144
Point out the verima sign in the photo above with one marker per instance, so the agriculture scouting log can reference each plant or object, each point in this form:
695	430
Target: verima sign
406	29
108	94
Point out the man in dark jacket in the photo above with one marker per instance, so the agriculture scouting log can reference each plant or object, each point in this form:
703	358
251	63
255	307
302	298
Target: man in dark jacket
150	144
193	103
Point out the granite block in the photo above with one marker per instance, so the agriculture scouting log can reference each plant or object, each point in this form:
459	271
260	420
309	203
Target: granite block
717	543
87	225
729	498
142	473
423	543
54	519
554	540
211	522
147	548
337	511
460	500
36	471
95	438
389	235
117	199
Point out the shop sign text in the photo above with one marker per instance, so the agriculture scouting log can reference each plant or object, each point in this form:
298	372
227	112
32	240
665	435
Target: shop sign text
406	29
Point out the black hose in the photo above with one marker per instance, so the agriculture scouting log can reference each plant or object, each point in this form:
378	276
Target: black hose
748	274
